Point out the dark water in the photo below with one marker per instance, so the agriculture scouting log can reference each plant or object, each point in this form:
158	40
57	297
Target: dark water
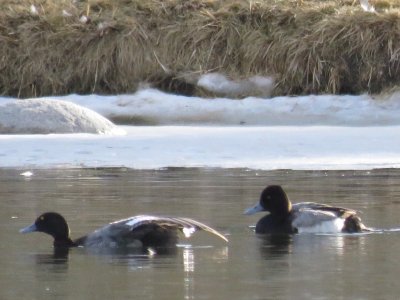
249	267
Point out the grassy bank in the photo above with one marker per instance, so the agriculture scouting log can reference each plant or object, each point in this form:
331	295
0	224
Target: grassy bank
112	46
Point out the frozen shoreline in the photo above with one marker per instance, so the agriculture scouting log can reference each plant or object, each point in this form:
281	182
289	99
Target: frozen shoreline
155	147
311	132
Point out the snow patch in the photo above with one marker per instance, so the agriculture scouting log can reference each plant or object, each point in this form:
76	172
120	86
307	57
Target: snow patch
253	86
366	6
43	116
150	106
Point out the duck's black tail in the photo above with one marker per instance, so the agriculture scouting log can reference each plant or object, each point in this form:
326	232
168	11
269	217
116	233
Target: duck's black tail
353	224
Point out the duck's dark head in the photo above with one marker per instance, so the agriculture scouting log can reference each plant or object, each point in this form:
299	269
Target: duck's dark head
53	224
274	200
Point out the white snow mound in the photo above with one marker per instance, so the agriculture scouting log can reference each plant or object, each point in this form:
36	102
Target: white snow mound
43	116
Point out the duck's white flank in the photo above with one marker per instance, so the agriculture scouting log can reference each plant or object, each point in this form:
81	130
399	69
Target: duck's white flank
332	226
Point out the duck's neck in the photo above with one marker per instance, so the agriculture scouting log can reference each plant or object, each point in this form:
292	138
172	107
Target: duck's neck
63	243
281	209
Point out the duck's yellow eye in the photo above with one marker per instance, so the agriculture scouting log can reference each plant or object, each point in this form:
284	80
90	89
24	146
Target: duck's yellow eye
41	218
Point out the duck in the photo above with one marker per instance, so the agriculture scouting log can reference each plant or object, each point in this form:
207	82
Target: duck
304	217
141	231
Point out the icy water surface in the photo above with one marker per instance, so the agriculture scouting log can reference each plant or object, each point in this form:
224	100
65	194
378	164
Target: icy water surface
249	267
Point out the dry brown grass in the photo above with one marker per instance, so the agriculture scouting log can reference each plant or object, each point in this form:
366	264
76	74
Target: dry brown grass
309	46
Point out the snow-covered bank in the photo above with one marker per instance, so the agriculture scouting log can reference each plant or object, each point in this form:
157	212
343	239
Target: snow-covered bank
154	107
264	148
310	132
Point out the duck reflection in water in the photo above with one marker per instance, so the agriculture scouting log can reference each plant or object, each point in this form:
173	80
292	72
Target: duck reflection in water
56	262
58	257
275	245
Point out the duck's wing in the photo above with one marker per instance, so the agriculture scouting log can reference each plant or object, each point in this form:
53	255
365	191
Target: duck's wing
185	225
340	212
138	227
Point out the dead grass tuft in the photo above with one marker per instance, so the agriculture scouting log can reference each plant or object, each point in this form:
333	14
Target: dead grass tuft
52	47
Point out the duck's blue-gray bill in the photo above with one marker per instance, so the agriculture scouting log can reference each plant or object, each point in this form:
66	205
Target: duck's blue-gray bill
30	228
